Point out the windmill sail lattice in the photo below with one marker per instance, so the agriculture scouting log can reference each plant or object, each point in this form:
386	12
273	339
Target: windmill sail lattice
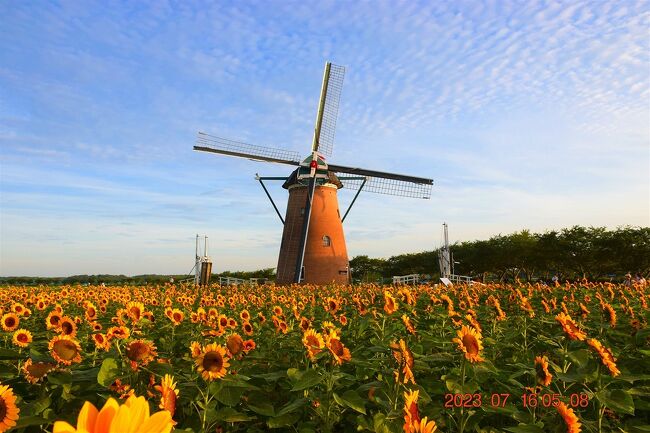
214	144
330	109
394	187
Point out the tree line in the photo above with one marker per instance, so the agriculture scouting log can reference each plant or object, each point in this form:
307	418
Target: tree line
572	253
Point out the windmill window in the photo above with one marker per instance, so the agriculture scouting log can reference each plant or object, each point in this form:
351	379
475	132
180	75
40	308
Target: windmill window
327	241
302	211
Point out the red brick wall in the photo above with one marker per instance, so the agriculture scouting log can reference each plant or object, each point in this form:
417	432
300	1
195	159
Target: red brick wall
323	264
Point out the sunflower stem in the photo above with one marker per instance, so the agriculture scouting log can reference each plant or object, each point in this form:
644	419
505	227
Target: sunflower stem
461	424
206	401
525	334
601	409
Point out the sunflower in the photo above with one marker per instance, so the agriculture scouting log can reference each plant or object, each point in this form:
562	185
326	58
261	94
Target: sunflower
445	299
119	332
8	409
305	323
213	332
525	305
424	426
22	338
541	368
408	324
404	358
248	345
234	344
570	327
101	342
169	394
10	322
176	316
328	326
67	326
333	305
282	326
390	304
141	352
611	314
248	328
411	411
469	342
35	371
570	418
313	342
65	350
134	310
132	416
337	349
245	316
212	362
91	312
606	356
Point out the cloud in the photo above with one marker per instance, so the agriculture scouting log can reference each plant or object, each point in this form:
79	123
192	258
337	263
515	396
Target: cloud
527	114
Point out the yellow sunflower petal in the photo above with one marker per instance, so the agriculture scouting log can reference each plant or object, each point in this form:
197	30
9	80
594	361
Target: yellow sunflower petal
160	422
63	427
122	420
139	412
87	417
106	415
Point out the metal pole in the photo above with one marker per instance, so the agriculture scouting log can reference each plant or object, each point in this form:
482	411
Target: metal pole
269	196
196	261
305	229
354	199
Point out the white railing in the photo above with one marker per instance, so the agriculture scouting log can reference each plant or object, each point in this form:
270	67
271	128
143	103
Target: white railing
406	279
460	279
229	281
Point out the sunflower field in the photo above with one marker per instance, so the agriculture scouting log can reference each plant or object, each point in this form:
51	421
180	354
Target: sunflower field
482	358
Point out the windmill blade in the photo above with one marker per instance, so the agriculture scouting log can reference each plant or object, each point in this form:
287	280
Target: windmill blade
385	183
210	143
328	109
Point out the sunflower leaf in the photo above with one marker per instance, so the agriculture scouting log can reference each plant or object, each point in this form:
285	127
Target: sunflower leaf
228	395
308	379
526	428
9	354
352	400
617	400
229	414
108	372
284	420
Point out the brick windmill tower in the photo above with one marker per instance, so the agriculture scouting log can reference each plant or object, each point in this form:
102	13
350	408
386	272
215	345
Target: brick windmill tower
313	246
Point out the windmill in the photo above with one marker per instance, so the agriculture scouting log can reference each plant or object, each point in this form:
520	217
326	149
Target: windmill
313	246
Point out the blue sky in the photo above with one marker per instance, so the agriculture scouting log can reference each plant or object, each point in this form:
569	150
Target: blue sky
528	114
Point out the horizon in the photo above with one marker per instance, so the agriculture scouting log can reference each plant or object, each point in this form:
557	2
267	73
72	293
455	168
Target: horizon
526	117
262	269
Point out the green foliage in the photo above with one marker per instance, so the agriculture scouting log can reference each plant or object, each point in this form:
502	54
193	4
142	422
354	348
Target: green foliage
571	253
